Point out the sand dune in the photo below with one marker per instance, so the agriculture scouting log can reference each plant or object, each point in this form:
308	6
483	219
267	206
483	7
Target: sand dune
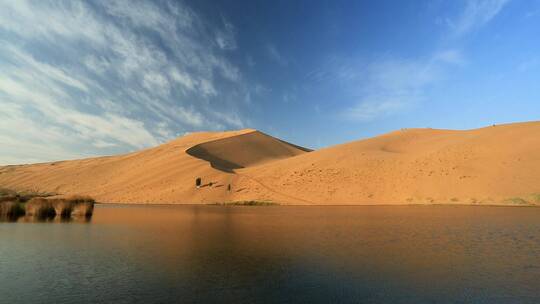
241	151
493	165
164	174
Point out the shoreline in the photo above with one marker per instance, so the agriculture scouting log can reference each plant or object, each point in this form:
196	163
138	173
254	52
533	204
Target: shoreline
315	205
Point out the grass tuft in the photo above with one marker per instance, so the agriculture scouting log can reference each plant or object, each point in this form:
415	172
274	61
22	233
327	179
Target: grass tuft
21	196
246	203
39	205
516	201
535	198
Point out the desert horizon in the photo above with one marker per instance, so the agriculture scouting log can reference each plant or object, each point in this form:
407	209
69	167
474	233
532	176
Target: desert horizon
407	166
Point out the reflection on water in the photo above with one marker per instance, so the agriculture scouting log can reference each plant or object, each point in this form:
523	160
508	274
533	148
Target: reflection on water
44	219
214	254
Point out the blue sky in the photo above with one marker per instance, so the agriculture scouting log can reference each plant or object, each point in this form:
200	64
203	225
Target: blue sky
91	78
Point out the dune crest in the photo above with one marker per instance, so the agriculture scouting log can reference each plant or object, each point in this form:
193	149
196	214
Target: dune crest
163	174
490	166
241	151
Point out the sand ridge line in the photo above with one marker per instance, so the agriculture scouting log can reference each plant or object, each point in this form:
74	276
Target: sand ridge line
492	165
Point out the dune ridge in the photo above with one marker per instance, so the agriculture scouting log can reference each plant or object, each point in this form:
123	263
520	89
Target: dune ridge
497	165
163	174
256	148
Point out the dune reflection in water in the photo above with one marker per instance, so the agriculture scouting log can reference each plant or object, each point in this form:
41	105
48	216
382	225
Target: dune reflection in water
280	254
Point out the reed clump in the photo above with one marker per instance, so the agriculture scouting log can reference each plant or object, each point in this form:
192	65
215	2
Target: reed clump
11	209
21	196
41	206
82	205
63	207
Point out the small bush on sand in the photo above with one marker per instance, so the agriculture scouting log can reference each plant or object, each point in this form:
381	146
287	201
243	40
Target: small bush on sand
247	203
7	192
21	196
515	201
76	199
535	198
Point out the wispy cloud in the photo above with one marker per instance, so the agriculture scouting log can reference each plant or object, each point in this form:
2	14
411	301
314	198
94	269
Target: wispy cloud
450	56
529	65
225	37
275	55
476	14
390	86
533	13
111	77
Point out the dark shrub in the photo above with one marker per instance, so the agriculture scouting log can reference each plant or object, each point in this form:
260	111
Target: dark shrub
40	208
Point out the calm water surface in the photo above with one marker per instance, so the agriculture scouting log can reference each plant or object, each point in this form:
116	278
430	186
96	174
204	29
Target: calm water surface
212	254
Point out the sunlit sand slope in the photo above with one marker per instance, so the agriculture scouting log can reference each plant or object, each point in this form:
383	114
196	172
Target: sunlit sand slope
164	174
493	165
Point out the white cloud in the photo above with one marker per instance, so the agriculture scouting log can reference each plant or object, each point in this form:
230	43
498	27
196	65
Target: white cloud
207	88
230	118
96	64
21	58
225	37
476	14
529	65
376	106
260	89
184	79
451	56
388	87
21	147
103	144
189	116
532	14
398	75
275	55
163	130
45	100
250	61
156	83
112	75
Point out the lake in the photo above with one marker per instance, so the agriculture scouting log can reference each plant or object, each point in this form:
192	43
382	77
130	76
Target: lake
276	254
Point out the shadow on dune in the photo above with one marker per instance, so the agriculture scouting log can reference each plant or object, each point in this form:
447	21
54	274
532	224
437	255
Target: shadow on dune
244	150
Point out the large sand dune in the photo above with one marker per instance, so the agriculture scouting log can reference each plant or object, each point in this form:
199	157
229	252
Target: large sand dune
244	150
493	165
164	174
